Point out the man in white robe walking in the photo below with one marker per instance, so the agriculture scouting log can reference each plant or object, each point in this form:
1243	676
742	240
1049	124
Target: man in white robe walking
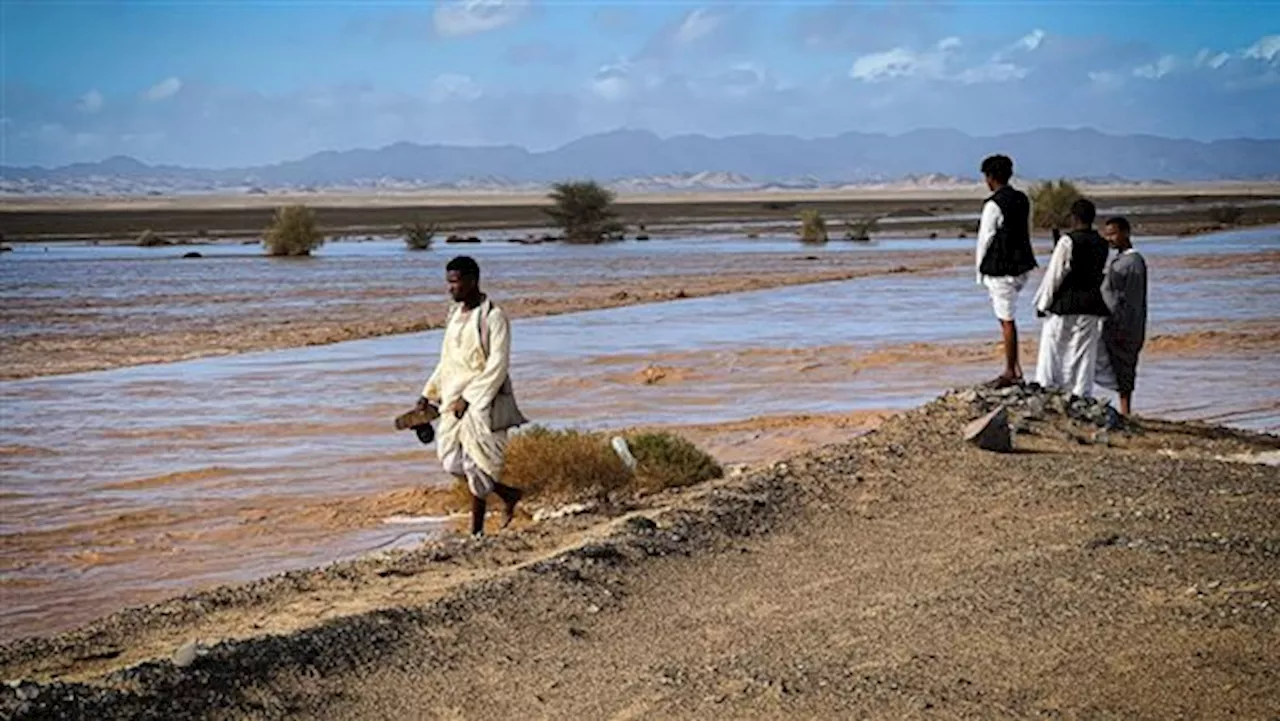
470	377
1071	302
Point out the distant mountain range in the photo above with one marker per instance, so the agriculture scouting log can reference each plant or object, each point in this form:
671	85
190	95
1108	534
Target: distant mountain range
641	161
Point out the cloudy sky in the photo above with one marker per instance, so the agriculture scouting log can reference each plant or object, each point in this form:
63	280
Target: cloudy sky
244	82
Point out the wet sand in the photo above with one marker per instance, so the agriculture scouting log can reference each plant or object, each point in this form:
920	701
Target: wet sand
902	574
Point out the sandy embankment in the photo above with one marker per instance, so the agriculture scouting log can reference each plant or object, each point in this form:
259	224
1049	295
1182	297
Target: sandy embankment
901	574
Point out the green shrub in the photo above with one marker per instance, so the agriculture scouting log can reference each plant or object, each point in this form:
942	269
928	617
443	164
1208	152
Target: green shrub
584	211
293	232
1051	203
419	235
813	227
860	229
666	460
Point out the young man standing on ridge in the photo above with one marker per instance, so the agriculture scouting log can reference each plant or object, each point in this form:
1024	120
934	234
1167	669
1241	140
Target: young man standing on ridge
1125	330
1070	300
1003	257
472	387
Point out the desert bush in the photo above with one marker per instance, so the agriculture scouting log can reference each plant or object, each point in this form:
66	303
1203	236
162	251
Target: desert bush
293	232
148	239
813	227
563	464
1051	203
1226	214
572	465
666	460
860	229
418	235
584	210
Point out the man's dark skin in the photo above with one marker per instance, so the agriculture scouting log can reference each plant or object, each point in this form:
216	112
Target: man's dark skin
1009	329
465	289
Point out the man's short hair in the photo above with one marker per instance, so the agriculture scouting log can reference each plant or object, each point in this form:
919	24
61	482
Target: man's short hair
464	266
1084	211
999	167
1120	222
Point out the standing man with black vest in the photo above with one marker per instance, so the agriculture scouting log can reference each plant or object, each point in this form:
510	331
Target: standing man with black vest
1004	257
1071	302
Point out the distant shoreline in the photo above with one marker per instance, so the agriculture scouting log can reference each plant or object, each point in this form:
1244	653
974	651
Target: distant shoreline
52	219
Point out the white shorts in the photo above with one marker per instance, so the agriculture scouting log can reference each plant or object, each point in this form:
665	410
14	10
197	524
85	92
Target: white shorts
1004	291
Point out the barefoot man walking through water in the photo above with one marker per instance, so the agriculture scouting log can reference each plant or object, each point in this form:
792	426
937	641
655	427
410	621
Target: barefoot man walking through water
1003	256
472	387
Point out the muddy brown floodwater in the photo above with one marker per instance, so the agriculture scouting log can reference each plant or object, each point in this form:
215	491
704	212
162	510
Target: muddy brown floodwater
129	485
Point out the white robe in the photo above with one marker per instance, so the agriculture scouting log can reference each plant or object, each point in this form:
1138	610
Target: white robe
1068	343
464	371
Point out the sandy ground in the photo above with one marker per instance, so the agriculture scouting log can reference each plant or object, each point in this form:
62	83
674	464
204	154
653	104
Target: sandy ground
901	574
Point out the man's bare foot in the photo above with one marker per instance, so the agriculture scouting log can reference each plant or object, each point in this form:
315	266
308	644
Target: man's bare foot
1004	381
509	506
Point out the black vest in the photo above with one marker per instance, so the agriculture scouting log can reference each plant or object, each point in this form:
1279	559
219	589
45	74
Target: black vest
1081	291
1010	251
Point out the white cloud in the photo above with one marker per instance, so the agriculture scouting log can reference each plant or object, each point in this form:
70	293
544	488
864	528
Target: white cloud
1207	59
1032	40
943	62
992	72
1106	79
1267	48
166	88
612	82
904	63
468	17
453	86
90	102
1160	68
696	25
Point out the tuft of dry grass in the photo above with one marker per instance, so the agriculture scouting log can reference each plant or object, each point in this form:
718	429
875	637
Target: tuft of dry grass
563	464
570	465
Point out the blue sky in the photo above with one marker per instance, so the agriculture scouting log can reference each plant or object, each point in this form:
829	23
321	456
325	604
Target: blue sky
242	82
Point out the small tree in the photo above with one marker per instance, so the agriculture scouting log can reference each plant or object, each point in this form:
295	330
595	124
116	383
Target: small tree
293	232
860	229
813	228
1226	214
584	210
418	235
1051	203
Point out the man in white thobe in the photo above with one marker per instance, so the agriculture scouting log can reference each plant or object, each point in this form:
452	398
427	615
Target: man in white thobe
1003	257
1071	302
475	357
